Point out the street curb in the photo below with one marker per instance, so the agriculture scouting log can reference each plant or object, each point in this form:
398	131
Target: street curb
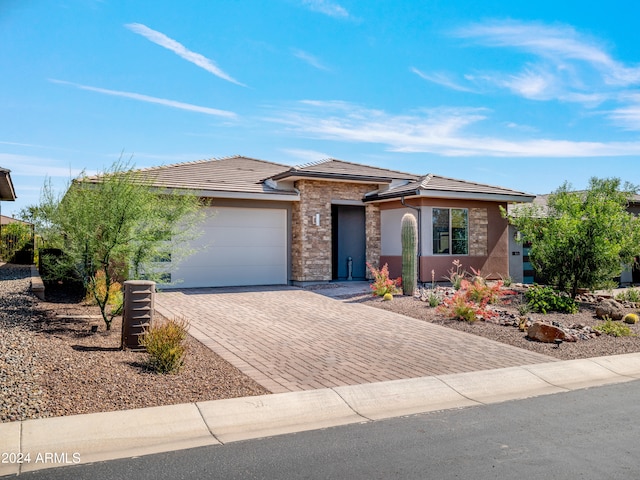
80	439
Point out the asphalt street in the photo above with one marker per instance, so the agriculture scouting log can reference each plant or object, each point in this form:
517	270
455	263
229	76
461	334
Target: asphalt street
584	434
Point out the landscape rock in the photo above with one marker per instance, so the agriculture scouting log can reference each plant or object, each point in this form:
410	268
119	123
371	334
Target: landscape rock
610	308
543	332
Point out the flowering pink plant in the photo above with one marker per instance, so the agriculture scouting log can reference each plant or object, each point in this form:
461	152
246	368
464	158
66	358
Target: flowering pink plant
382	284
461	308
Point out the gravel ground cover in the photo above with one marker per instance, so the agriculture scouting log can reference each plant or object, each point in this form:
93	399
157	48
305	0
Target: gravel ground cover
53	366
594	347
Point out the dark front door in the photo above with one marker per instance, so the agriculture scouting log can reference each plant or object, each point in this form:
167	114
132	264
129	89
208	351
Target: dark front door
349	241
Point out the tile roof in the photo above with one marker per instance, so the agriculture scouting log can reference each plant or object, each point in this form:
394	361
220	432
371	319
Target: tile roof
436	185
230	174
4	220
332	168
238	176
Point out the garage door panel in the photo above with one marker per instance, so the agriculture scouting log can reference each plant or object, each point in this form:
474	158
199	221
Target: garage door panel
255	256
243	217
228	276
238	246
245	237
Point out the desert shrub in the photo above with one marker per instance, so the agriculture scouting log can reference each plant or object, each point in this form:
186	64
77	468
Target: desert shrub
433	296
629	295
433	299
545	299
165	344
507	281
479	291
615	329
458	306
382	284
523	308
456	275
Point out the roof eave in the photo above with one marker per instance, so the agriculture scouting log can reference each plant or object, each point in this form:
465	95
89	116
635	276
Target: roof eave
274	197
336	177
7	192
487	197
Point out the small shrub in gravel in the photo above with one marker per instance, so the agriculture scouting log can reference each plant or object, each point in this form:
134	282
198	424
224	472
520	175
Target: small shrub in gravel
615	329
545	299
459	307
165	344
629	295
382	284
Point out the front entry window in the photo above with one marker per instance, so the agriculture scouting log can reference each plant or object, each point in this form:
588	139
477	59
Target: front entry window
450	231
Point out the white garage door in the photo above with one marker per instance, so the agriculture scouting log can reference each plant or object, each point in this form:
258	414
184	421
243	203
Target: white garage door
239	246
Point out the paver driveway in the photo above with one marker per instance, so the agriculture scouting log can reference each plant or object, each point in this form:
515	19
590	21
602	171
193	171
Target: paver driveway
289	339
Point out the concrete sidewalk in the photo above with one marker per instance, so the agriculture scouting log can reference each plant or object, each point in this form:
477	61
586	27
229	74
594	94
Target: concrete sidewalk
60	441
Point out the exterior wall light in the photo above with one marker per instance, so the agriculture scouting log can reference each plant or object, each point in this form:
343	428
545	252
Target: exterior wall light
316	219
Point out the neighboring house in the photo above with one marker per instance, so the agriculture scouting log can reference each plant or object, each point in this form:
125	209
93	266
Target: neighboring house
273	224
520	268
7	192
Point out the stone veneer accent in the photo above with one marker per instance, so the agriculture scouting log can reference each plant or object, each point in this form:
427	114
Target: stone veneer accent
311	244
478	232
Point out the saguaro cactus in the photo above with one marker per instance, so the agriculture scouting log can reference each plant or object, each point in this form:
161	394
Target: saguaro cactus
409	231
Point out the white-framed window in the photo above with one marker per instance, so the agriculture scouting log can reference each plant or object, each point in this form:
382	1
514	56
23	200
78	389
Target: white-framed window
450	228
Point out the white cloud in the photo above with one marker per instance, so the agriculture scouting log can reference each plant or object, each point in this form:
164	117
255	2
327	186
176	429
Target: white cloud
148	99
554	42
627	117
16	144
326	7
441	131
170	44
310	59
533	85
305	156
564	65
441	79
32	166
520	128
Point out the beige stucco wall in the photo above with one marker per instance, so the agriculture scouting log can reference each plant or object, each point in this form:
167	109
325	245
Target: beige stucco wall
311	259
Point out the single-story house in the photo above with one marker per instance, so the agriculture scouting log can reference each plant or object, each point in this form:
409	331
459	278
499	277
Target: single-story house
270	223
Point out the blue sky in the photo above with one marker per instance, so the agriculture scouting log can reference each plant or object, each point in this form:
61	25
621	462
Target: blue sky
520	94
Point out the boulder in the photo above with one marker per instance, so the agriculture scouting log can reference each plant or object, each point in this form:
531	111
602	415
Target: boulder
610	308
543	332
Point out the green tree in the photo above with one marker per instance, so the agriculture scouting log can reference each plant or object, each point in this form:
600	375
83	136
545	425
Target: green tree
582	238
13	238
116	222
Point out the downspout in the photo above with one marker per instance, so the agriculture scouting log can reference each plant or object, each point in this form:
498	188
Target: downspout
419	210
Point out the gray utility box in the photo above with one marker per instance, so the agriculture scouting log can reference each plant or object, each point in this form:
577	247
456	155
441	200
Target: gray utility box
137	313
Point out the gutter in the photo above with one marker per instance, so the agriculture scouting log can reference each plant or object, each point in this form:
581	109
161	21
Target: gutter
419	210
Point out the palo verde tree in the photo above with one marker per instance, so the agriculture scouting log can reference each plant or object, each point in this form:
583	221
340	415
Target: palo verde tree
114	221
582	238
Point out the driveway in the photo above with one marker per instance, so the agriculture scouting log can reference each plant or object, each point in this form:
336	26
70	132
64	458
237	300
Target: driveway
289	339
